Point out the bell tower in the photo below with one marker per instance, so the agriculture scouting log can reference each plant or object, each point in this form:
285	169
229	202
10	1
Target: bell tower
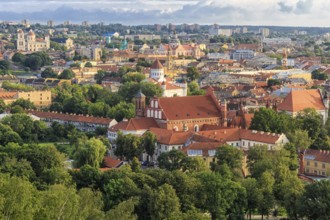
139	101
21	40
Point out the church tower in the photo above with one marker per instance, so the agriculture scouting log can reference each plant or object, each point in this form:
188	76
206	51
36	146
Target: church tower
285	58
31	41
139	101
20	40
174	41
157	71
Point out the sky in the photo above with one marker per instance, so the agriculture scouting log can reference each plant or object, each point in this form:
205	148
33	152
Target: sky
228	12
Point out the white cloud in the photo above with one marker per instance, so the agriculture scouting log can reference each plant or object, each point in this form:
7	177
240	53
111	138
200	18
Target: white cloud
254	12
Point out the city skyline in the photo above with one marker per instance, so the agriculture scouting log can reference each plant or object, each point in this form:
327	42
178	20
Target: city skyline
235	12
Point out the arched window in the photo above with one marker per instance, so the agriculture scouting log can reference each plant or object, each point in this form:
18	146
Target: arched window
175	128
196	128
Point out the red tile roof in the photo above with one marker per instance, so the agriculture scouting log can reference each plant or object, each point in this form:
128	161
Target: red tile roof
170	137
157	65
72	117
298	100
317	155
135	124
7	95
189	107
112	163
236	134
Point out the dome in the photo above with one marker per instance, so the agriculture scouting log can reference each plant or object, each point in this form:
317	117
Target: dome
31	33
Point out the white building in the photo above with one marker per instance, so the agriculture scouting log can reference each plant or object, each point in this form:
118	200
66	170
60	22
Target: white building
29	42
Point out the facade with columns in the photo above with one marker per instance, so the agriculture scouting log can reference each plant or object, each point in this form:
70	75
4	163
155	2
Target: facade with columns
29	42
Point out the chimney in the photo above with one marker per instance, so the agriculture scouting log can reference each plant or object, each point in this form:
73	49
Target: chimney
301	162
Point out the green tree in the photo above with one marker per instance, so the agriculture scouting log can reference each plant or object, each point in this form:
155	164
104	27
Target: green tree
317	74
229	155
253	195
314	202
124	211
48	73
128	146
171	160
66	74
267	201
90	204
58	202
193	89
164	203
121	111
300	139
218	195
2	106
273	82
266	119
34	62
18	58
89	152
88	64
18	198
24	103
4	65
118	190
149	143
133	77
193	73
311	121
135	165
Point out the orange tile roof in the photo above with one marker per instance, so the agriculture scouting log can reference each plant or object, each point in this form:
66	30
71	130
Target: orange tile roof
72	118
248	119
169	137
237	134
298	100
112	163
189	107
7	95
135	124
157	65
317	155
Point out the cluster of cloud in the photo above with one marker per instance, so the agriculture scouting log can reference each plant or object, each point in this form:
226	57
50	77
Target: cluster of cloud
300	7
245	12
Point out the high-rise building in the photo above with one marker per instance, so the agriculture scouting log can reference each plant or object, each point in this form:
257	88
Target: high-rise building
264	32
171	27
84	23
158	27
244	30
50	23
66	23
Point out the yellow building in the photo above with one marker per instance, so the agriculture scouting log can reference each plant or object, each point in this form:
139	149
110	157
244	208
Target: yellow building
315	162
41	99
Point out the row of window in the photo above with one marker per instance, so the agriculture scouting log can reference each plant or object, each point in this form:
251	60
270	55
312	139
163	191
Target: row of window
316	172
315	164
